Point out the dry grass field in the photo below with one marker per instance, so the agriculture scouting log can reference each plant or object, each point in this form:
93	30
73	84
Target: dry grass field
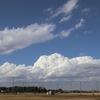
45	97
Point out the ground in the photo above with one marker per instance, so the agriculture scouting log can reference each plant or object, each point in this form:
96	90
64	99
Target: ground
45	97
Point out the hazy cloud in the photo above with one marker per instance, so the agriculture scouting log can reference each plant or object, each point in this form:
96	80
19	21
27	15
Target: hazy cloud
82	54
80	24
66	9
65	18
48	10
88	32
65	33
86	11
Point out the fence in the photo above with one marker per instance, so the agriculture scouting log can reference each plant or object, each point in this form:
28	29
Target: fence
64	85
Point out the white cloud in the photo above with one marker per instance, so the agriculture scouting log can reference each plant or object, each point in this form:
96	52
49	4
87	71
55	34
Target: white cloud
18	38
48	10
65	18
55	67
86	11
88	32
82	54
66	9
80	24
65	33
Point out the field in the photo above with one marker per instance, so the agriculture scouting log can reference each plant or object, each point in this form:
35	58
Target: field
45	97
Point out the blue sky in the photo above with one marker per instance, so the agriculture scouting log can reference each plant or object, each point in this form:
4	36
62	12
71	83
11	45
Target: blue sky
50	40
22	13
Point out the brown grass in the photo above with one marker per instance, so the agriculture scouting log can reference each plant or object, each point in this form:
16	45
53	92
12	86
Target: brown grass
45	97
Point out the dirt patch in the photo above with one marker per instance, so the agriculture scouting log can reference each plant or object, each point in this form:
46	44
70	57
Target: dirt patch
45	97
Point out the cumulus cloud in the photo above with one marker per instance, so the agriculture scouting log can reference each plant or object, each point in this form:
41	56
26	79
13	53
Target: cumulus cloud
18	38
55	67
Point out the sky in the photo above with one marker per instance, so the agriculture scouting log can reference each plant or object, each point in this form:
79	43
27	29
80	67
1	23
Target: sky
42	39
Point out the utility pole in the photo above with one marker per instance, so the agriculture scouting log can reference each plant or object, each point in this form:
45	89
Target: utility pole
97	86
57	87
13	84
70	86
34	89
80	87
22	87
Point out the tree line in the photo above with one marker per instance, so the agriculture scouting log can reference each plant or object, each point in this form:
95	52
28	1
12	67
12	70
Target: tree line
24	89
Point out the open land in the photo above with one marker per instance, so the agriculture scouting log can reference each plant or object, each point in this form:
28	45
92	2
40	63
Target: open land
65	96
